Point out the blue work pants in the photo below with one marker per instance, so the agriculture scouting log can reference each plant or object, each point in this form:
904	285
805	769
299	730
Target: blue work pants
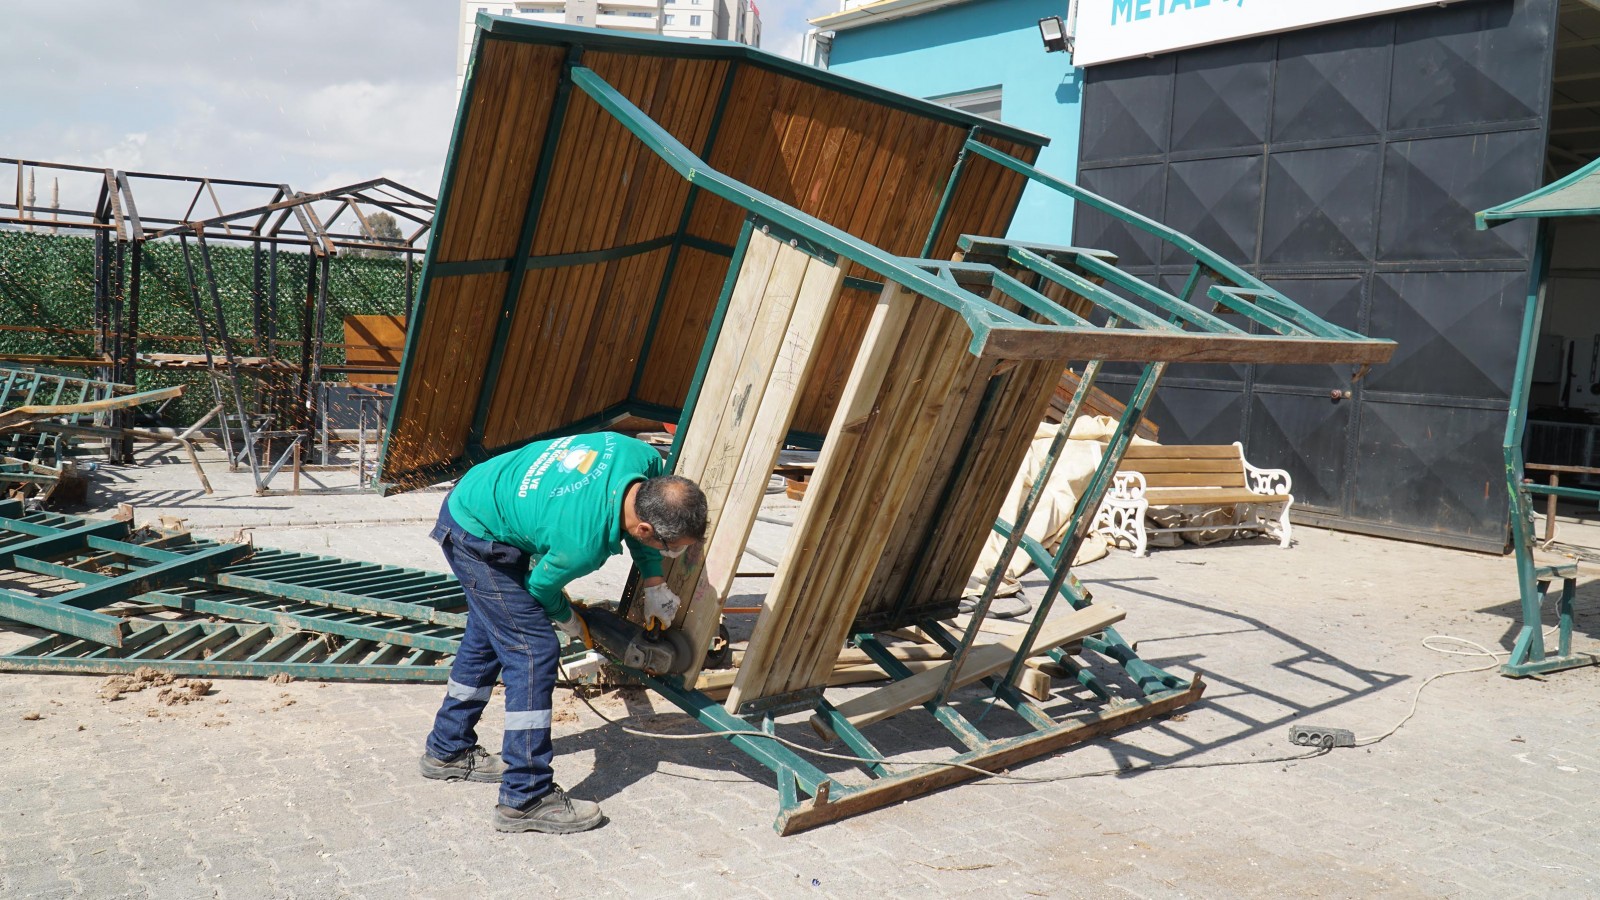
508	636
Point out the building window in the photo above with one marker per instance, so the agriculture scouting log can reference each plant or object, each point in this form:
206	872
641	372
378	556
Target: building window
984	102
580	18
507	12
694	21
667	19
484	10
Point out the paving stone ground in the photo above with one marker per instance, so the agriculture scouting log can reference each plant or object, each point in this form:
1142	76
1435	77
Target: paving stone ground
309	790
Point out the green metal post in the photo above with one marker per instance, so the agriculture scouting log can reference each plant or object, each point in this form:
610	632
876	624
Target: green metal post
1532	636
949	194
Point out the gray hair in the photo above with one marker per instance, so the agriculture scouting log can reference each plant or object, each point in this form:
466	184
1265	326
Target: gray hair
674	506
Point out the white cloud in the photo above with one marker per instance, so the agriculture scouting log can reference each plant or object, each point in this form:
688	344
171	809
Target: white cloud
784	24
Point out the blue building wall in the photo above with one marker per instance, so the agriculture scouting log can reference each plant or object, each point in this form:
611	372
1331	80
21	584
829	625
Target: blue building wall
975	46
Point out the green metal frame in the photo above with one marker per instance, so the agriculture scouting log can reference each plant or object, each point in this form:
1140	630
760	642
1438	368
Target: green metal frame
212	650
996	331
1529	654
807	795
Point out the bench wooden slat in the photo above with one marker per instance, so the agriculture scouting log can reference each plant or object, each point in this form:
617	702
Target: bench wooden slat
1182	465
1203	496
1182	451
1201	479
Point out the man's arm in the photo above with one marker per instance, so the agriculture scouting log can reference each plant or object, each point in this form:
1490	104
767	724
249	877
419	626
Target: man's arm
647	558
545	582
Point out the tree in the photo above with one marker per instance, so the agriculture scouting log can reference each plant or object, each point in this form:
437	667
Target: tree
383	228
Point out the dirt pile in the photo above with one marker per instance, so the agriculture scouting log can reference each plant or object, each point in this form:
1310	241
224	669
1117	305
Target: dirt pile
174	690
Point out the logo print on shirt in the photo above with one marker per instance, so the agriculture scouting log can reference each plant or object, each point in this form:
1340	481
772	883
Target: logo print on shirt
579	460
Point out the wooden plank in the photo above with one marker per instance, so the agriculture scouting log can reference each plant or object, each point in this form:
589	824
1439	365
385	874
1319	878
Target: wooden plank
981	662
893	789
774	358
783	603
1184	466
858	481
1206	497
1233	479
1182	451
890	484
1129	345
1023	396
903	557
374	342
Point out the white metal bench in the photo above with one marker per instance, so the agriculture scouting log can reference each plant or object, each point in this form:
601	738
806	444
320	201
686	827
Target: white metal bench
1214	476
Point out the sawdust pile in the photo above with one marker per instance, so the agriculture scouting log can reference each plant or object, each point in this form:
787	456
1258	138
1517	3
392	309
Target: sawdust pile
174	691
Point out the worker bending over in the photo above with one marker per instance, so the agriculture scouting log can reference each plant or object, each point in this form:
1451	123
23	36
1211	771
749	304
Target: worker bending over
516	530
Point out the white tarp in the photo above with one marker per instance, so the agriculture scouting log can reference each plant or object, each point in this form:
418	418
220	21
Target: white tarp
1074	468
1109	30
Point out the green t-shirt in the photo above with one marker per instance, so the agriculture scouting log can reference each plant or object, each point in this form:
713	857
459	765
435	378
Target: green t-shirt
560	502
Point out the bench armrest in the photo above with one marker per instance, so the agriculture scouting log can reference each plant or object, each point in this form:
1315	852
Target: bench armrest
1126	485
1264	481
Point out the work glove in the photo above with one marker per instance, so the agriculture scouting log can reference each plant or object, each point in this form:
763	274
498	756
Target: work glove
660	607
576	628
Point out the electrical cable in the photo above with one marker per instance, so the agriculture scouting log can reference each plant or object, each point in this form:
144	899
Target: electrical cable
1478	650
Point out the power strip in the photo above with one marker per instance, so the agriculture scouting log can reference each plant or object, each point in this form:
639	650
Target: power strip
1328	738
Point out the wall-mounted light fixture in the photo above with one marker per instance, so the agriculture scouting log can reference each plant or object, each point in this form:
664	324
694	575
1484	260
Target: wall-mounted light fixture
1054	33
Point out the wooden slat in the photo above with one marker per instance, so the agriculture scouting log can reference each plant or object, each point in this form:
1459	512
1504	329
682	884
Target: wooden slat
978	490
731	454
1203	497
1182	451
981	662
1186	466
855	521
1233	479
886	486
784	604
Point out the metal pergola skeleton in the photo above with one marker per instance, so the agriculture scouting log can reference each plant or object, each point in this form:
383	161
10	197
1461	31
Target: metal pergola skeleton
245	376
1577	195
1015	307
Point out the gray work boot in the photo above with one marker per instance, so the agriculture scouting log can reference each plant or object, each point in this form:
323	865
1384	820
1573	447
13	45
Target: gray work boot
476	764
554	813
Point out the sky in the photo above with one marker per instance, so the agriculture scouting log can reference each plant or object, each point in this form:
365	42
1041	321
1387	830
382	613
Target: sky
312	93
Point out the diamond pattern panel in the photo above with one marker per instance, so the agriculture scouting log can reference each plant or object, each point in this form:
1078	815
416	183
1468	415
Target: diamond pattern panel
1139	188
1431	188
1191	415
1331	82
1306	436
1337	300
1217	202
1431	468
1222	95
1456	332
1319	205
1330	217
1446	73
1127	109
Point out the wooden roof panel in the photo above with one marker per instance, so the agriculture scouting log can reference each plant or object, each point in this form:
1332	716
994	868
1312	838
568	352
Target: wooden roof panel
623	269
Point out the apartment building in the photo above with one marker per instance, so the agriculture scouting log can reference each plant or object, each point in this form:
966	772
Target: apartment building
729	20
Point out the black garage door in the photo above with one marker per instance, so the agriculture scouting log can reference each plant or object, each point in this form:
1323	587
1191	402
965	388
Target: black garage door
1342	165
